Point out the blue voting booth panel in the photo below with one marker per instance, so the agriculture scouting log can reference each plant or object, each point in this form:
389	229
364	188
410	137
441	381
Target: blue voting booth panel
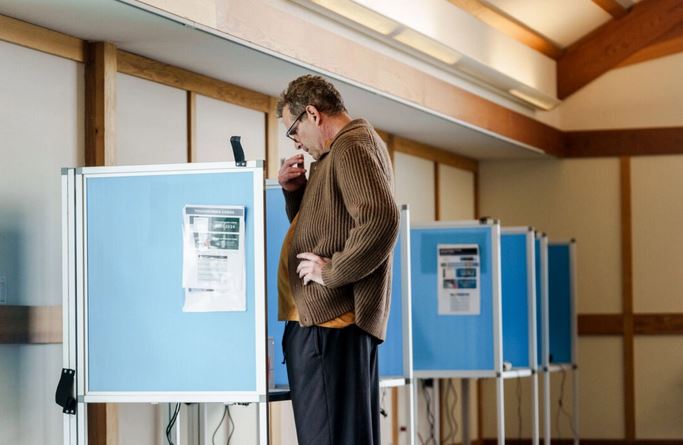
391	351
560	302
139	338
450	342
277	225
515	284
539	300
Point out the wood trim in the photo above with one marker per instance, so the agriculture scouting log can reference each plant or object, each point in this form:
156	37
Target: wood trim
100	104
669	43
476	195
191	125
509	26
480	411
643	324
388	139
394	416
30	324
41	39
658	324
627	299
103	424
272	140
600	324
628	142
172	76
430	153
614	42
437	193
612	7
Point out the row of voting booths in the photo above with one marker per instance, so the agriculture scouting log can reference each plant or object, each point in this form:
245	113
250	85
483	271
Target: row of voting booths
170	296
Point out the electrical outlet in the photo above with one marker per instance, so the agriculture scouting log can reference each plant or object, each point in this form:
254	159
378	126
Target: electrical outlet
3	290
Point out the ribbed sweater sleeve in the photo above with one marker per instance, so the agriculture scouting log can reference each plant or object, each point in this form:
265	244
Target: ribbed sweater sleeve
293	202
369	200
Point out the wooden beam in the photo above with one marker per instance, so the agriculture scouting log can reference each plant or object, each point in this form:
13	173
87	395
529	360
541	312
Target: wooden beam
437	193
614	42
643	324
41	39
629	142
395	428
148	69
272	140
600	324
103	424
191	125
612	7
627	300
502	22
428	152
658	324
668	44
100	104
30	324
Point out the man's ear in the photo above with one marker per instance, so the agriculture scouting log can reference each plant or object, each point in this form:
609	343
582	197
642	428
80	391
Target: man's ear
315	114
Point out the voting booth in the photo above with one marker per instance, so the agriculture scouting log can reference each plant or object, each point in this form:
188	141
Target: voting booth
562	321
518	264
164	286
395	353
474	306
557	323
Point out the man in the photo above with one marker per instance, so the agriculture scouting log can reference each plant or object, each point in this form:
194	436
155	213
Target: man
335	267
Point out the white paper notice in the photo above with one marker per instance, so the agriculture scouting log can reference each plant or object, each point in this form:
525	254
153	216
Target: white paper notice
458	279
214	272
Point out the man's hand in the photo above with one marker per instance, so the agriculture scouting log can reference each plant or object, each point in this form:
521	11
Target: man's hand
292	175
310	269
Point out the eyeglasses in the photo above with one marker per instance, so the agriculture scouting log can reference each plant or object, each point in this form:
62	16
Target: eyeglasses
291	131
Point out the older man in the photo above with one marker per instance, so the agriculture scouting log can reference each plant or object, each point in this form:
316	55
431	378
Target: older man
335	266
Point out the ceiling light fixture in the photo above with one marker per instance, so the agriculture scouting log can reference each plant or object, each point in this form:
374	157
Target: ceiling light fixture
536	102
428	46
359	14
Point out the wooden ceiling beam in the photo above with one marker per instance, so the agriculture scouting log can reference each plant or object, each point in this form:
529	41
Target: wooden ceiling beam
626	142
614	42
509	26
668	44
612	7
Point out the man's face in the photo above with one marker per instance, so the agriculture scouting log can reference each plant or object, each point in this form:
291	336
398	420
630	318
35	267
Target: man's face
304	132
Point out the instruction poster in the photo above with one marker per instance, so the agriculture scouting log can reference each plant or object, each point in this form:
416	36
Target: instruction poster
458	279
214	271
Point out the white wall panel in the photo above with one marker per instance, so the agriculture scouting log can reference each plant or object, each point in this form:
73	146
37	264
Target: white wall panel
151	122
217	121
456	193
41	131
415	186
657	207
659	387
566	199
642	95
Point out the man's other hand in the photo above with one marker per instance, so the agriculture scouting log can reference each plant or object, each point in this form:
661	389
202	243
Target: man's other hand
310	269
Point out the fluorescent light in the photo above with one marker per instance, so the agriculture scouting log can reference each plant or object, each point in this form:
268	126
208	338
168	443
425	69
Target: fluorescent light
359	14
538	103
428	46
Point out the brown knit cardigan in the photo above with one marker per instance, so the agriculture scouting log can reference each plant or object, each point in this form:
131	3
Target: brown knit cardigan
347	212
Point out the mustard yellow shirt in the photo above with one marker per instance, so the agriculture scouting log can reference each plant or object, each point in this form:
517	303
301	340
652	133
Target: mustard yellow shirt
287	310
